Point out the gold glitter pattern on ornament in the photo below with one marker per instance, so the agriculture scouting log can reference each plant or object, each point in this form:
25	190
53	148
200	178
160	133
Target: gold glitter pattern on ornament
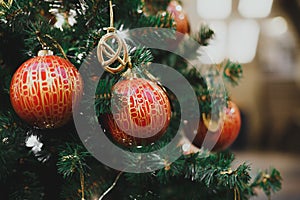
141	112
42	88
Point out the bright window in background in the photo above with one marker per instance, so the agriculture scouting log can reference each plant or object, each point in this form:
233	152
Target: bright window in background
255	8
216	50
214	9
275	27
243	39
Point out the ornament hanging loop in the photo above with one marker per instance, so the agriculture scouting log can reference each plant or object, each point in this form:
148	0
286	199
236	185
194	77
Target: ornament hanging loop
106	54
105	49
111	27
6	5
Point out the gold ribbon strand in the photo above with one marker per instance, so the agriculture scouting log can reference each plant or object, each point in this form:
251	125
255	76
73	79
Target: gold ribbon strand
6	5
54	43
106	54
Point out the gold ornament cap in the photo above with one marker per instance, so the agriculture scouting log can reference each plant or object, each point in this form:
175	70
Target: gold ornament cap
45	52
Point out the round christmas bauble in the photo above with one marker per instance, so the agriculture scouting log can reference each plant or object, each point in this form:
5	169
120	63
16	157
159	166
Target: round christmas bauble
141	112
231	127
180	18
224	136
42	90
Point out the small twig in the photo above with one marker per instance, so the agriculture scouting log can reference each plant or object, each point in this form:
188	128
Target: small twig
111	14
237	195
111	187
41	41
82	183
57	45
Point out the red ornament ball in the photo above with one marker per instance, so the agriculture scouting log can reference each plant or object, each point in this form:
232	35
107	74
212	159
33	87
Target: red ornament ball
231	127
180	18
224	136
141	112
42	88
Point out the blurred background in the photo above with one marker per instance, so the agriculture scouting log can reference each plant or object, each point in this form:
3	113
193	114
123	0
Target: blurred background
264	36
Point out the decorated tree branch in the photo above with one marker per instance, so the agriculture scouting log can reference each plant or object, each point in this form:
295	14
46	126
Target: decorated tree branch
54	53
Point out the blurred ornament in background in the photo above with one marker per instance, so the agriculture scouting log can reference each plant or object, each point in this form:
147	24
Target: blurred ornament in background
180	18
231	127
213	132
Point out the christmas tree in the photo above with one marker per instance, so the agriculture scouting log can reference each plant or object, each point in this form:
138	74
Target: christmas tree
104	74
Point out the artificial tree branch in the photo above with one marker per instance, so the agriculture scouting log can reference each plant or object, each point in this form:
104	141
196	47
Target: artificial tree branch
111	187
82	183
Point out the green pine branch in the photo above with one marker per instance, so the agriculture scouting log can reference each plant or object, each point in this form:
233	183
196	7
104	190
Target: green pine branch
210	173
269	181
204	35
201	175
72	160
232	72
